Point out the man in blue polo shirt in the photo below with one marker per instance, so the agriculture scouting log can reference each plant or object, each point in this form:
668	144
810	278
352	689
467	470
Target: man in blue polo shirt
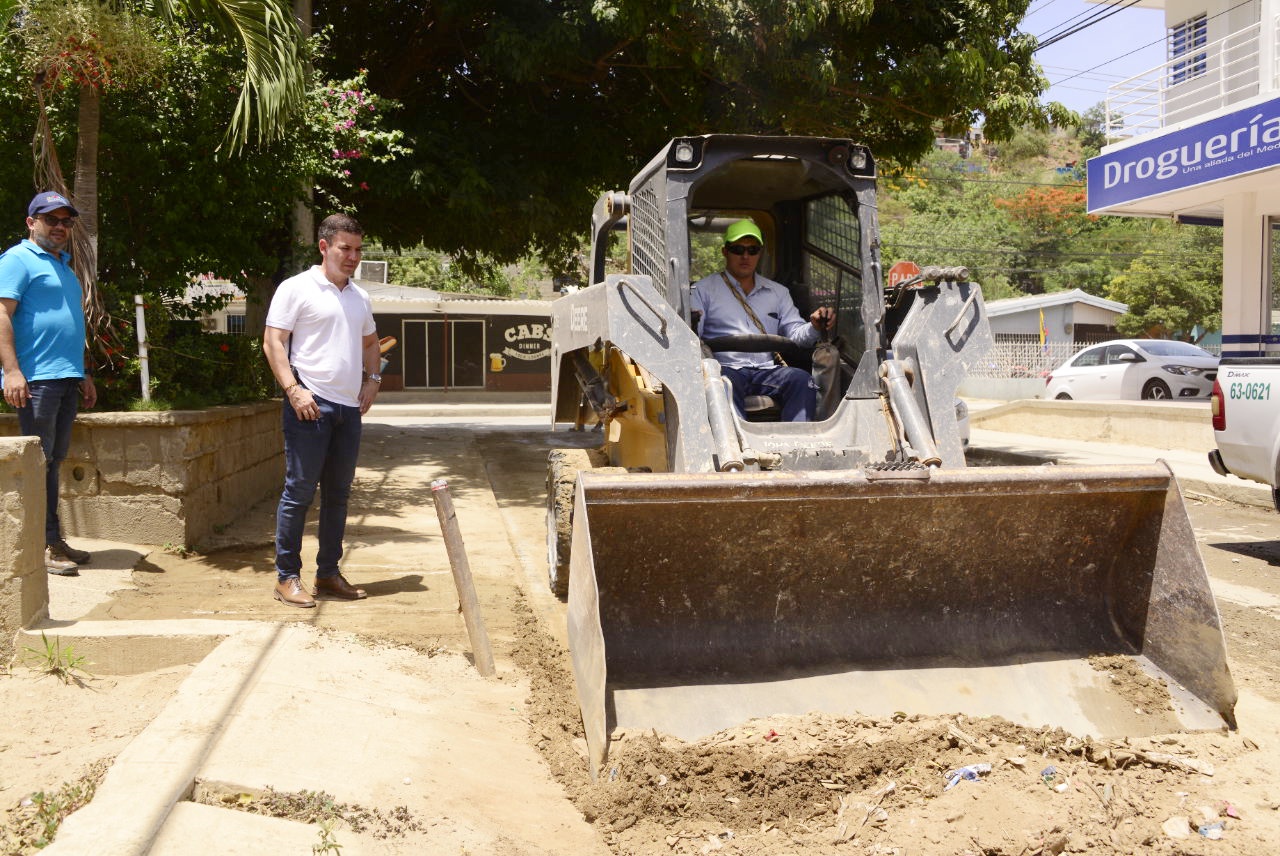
42	351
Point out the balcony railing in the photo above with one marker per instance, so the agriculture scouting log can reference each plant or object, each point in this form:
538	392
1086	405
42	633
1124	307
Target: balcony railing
1197	82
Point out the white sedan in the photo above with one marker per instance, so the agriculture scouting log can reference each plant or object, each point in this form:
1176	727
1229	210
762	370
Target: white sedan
1135	368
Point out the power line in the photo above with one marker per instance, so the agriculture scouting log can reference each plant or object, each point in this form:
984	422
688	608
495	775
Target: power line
1143	47
962	234
1059	254
1001	181
1046	5
1089	11
1095	17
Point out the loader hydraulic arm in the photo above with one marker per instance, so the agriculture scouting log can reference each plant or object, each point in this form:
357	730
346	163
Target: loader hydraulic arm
594	388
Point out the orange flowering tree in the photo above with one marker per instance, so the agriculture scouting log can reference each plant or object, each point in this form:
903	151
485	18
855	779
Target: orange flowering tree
1047	220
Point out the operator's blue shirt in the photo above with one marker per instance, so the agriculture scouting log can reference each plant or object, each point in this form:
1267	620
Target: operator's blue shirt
48	326
723	315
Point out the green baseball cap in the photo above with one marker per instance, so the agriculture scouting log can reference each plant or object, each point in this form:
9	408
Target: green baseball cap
742	228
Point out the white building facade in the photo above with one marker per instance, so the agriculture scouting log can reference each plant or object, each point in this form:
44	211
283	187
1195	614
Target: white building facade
1202	145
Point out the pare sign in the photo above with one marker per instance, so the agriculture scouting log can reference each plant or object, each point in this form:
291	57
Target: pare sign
901	272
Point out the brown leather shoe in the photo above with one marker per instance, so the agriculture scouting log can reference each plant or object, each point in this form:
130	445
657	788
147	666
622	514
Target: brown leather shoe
291	593
338	587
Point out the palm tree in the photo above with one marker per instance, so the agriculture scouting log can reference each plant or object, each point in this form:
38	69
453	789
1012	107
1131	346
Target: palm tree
93	45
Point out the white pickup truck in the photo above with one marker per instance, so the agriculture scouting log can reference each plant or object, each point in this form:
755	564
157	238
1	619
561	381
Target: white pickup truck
1246	420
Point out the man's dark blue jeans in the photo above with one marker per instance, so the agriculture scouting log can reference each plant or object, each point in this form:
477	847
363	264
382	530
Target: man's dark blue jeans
793	390
49	415
317	453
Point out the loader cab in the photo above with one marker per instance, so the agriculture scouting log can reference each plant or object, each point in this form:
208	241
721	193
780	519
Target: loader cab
814	200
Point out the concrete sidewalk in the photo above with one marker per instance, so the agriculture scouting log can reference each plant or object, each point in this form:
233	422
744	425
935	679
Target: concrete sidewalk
289	704
321	700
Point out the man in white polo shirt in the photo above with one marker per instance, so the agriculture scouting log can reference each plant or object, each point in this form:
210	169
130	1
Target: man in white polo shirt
322	347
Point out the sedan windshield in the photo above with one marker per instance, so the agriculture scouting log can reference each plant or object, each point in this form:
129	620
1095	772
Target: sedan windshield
1171	348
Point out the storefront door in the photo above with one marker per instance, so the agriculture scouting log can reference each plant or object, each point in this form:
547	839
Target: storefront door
443	354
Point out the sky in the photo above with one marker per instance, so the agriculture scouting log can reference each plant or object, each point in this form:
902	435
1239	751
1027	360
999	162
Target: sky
1081	66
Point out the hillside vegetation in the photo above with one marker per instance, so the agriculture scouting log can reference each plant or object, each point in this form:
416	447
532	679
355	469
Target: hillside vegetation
1014	214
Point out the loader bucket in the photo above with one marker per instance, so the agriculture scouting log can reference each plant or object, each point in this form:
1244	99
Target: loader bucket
698	601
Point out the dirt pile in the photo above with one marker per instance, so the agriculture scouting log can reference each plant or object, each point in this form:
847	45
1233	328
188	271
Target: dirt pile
824	784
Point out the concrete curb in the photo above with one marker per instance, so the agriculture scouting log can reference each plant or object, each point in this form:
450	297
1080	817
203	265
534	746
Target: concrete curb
161	763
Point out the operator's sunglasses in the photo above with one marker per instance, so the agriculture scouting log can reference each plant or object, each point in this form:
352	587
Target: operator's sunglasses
744	249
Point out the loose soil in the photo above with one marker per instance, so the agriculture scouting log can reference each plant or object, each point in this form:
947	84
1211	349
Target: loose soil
795	785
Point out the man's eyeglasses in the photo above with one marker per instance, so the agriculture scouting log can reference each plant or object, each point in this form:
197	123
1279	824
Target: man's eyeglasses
744	249
51	221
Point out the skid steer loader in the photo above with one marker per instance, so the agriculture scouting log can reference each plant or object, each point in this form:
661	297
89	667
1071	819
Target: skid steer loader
720	566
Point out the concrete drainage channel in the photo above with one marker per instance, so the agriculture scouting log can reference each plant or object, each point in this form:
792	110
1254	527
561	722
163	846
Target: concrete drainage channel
157	769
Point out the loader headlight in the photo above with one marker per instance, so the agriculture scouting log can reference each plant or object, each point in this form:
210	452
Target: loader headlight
685	154
860	162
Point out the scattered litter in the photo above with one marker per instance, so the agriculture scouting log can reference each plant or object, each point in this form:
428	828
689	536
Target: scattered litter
1213	831
1229	810
1054	779
971	772
771	736
1177	827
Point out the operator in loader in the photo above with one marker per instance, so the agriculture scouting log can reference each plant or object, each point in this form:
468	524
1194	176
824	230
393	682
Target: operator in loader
738	301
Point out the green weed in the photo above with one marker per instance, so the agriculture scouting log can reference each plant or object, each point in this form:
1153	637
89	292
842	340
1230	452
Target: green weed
62	663
328	844
33	823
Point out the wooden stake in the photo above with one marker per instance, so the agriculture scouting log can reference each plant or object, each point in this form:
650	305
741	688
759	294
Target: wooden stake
467	600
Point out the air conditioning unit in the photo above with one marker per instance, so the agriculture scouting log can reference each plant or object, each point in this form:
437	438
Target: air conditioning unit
372	272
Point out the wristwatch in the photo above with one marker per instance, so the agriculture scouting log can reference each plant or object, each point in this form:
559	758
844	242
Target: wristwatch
375	377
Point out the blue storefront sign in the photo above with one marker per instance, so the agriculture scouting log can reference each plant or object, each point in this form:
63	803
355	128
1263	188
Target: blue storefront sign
1235	144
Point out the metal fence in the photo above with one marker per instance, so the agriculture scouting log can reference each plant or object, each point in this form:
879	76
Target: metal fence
1022	355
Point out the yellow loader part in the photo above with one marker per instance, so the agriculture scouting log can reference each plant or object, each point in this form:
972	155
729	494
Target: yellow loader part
697	601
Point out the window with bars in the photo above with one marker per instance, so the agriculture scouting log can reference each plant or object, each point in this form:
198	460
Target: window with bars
235	324
1186	45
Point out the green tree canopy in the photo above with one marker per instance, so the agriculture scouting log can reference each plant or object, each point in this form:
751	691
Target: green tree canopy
521	111
1174	289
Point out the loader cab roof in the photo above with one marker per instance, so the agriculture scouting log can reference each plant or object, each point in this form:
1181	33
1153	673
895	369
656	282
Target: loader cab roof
760	183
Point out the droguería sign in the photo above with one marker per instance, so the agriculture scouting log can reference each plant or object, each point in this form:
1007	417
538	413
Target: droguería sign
1235	144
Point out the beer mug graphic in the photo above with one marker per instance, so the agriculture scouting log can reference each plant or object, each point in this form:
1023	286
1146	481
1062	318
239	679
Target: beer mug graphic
497	362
